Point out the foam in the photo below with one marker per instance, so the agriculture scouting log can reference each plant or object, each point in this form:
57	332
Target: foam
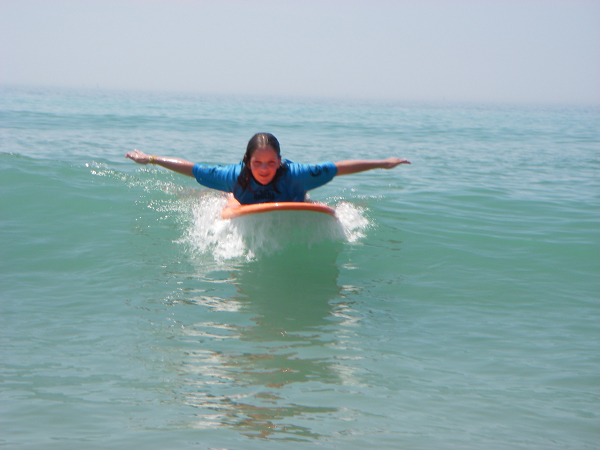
250	236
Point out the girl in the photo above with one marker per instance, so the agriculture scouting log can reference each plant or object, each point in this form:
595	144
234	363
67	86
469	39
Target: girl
263	176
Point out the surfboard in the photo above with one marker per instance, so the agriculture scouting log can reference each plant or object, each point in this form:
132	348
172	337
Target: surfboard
232	211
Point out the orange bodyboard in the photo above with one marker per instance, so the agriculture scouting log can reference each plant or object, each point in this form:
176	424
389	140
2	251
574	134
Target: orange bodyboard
232	210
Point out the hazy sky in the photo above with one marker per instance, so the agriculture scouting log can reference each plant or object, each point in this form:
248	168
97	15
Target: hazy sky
544	51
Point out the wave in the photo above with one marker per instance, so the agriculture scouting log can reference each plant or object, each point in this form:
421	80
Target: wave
249	237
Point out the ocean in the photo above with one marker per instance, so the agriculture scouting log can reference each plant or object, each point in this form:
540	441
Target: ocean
454	304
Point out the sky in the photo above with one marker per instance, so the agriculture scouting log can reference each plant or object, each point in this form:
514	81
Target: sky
510	51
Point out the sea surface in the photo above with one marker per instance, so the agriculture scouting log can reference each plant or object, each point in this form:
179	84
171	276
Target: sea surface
454	303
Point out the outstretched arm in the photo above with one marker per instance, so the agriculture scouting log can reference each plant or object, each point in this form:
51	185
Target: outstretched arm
177	165
360	165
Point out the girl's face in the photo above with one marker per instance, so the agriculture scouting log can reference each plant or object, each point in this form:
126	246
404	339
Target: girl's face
264	164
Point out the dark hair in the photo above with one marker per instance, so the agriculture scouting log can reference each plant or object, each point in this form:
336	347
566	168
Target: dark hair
257	141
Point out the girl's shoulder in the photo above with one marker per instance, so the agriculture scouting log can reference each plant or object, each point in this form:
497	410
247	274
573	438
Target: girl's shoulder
311	170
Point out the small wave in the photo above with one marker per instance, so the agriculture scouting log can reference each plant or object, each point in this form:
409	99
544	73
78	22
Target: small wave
249	237
198	212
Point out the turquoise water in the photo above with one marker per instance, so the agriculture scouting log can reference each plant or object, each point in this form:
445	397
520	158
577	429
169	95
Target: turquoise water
453	305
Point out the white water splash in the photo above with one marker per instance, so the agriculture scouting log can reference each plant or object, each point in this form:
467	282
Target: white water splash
352	220
250	236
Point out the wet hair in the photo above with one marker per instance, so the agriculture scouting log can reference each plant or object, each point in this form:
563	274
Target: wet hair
257	141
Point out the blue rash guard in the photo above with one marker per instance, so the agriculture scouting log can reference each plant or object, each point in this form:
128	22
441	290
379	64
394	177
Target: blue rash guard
292	185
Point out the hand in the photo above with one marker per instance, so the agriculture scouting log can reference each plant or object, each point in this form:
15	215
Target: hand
390	163
138	157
